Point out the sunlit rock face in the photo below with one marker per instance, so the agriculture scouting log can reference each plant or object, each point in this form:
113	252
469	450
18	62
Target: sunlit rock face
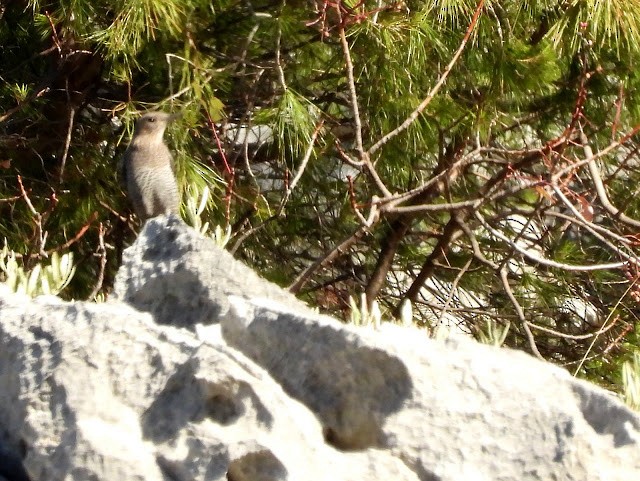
198	369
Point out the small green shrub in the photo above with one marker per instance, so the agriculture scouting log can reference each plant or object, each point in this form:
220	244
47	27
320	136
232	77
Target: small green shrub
50	279
631	381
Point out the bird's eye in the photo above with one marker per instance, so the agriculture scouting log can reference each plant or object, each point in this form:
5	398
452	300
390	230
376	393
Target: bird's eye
151	119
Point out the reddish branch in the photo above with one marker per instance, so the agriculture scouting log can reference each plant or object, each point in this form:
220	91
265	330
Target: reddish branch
327	259
76	237
38	220
229	171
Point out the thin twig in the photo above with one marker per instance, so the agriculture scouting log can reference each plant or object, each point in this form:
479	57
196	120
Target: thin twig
590	226
592	229
602	329
412	209
67	142
362	154
242	237
450	234
618	103
601	153
341	248
301	167
279	68
475	245
544	261
599	185
616	342
466	310
102	252
354	203
26	197
56	40
245	50
352	88
120	217
453	289
24	103
578	337
230	171
42	236
465	160
520	312
76	237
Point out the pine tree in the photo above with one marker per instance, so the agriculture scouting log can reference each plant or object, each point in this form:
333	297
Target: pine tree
475	158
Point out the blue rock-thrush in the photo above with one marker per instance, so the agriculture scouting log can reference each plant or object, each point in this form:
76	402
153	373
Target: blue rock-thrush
149	172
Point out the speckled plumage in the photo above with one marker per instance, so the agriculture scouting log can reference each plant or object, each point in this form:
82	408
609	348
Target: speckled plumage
148	169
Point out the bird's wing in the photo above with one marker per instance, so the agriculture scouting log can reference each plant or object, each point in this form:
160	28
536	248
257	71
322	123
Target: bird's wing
173	164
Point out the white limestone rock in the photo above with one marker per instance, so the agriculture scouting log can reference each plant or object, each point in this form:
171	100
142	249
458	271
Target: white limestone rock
248	384
183	278
101	392
450	411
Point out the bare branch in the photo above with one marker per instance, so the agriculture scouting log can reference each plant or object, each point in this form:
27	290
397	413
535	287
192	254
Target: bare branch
301	167
67	142
24	103
553	332
333	254
451	232
520	312
542	260
612	146
477	252
42	236
602	329
600	189
102	253
76	237
281	78
412	209
465	160
454	287
592	228
352	88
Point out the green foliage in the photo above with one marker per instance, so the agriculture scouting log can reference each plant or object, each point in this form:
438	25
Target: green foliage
194	208
496	141
362	315
631	381
611	24
41	279
493	334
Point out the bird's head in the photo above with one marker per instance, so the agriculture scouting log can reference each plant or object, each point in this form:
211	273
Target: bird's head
153	124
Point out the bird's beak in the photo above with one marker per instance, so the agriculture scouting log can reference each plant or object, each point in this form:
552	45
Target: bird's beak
173	117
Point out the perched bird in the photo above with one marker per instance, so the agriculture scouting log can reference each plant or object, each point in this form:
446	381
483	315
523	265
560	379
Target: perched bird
148	169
